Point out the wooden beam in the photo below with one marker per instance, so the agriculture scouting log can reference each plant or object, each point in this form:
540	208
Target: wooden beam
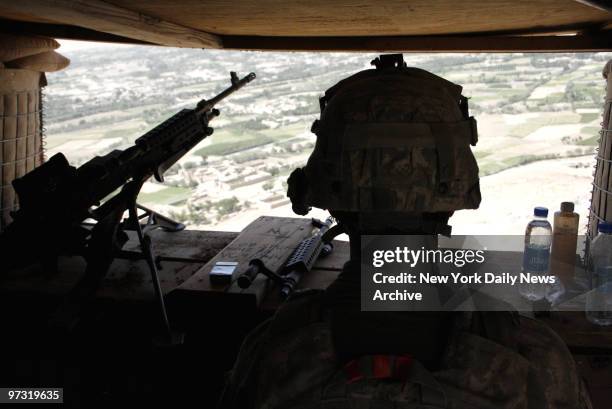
445	44
104	17
603	5
64	32
347	18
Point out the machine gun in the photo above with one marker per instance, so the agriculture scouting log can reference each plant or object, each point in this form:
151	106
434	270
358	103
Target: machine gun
56	199
299	262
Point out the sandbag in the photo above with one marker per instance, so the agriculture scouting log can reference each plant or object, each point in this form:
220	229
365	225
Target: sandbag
13	46
48	61
21	144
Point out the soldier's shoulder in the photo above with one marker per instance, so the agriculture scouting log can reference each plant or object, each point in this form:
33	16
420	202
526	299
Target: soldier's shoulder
303	308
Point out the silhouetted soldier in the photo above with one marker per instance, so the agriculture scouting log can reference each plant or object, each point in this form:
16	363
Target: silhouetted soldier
393	157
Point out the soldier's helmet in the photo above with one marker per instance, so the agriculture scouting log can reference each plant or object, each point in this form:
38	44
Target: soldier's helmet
390	139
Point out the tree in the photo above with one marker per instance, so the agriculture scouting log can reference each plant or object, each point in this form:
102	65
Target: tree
228	206
273	171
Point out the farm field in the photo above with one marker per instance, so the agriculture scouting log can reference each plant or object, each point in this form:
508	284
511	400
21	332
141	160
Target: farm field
538	117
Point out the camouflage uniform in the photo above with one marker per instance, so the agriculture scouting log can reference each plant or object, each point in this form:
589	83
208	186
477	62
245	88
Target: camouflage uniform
393	148
298	359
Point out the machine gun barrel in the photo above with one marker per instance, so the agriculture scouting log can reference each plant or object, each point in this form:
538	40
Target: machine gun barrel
207	105
56	198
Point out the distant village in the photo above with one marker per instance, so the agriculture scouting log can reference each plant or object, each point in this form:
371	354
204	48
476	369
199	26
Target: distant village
225	185
530	108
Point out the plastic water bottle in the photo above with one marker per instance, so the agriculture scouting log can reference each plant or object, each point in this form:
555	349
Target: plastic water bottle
599	299
538	238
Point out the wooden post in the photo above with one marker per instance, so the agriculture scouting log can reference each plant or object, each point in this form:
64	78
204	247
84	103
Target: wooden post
601	201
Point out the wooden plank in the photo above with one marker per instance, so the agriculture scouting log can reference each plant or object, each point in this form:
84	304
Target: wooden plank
321	18
445	44
269	239
316	279
69	32
353	25
603	5
105	17
280	234
132	279
126	279
64	31
202	244
190	23
336	260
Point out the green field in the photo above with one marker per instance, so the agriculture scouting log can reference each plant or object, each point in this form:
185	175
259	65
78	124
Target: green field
122	132
590	136
533	124
130	129
590	141
495	167
236	145
234	139
589	117
167	196
481	154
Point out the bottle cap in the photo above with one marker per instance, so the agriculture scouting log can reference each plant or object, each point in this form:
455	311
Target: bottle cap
605	227
567	207
540	211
